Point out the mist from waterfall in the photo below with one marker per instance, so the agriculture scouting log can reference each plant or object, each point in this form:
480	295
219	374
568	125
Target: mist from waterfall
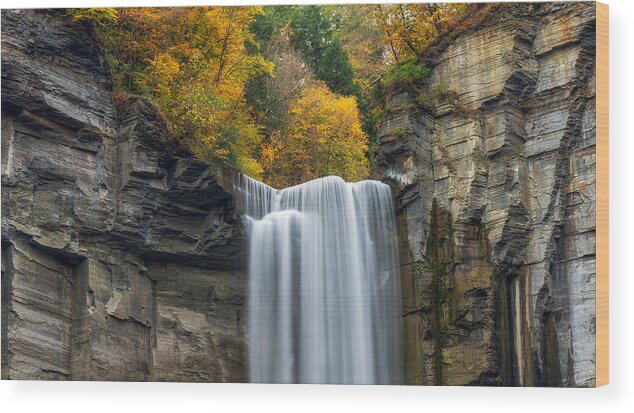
324	288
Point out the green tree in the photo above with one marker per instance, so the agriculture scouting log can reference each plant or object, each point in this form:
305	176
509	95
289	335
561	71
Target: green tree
314	36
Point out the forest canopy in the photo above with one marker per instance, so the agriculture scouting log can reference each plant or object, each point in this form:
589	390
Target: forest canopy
283	93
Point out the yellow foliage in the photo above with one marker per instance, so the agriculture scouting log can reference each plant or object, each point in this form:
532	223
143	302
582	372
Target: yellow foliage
194	64
162	71
408	29
99	16
324	137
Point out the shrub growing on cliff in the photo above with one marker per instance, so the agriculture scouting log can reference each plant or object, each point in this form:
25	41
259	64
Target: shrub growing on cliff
409	73
98	16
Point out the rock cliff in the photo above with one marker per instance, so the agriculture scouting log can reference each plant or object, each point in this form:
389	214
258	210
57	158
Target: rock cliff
492	164
121	257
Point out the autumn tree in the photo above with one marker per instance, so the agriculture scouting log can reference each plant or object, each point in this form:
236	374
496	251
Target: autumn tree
98	16
324	137
200	81
384	43
283	93
409	28
362	40
272	94
194	64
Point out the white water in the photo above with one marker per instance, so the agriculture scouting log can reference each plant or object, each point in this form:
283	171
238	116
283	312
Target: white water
324	289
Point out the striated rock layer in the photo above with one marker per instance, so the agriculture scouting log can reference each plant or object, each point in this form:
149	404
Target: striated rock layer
121	260
493	169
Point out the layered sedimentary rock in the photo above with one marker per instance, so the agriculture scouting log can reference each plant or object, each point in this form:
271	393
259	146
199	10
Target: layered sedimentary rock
121	254
492	164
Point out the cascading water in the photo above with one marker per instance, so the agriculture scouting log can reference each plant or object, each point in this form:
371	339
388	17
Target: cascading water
324	290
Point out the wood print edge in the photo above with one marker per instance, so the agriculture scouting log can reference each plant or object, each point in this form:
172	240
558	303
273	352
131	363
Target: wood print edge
602	200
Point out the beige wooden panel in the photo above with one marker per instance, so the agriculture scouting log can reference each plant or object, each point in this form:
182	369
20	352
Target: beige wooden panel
602	206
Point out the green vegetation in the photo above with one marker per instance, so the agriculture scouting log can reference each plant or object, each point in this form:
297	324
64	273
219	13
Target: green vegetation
399	132
408	73
439	298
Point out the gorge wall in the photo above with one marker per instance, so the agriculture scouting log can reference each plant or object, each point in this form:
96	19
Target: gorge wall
492	165
123	257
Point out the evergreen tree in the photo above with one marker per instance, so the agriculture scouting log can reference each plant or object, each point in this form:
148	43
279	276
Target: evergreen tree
313	35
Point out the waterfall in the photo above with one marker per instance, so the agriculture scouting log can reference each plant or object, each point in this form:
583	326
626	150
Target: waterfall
324	288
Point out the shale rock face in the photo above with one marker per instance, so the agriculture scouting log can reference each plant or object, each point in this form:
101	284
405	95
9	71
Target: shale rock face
493	170
121	255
